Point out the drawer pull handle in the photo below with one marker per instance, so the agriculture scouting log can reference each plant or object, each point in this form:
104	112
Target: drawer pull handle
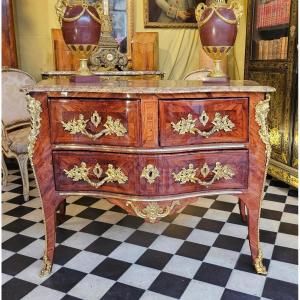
78	173
152	211
150	173
79	126
189	174
188	125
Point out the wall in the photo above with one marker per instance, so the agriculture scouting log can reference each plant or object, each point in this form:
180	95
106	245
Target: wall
178	53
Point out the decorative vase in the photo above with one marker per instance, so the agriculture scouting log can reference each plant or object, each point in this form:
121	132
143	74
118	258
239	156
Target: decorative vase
218	25
81	29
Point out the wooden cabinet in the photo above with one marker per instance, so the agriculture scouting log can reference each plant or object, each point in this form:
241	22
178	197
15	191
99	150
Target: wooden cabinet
150	147
276	66
9	49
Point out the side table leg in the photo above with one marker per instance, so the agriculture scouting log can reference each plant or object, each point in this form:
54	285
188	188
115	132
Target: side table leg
253	207
242	207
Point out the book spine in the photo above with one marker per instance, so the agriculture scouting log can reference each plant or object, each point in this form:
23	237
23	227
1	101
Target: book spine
281	48
258	16
260	49
271	49
286	44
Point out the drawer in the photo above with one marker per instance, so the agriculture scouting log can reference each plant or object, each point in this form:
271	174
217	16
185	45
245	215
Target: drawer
97	122
189	122
150	175
95	171
202	171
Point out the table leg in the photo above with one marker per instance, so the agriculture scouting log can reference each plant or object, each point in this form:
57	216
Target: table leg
242	207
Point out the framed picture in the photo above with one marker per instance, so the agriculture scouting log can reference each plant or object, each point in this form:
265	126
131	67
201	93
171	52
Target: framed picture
170	13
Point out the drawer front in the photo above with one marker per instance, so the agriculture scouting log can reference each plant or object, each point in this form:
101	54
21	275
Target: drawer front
103	122
189	122
202	171
82	171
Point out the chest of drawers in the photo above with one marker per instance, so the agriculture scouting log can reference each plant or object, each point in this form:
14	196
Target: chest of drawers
151	147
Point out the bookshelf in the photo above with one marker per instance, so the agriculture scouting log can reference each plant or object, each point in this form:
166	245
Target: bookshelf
271	59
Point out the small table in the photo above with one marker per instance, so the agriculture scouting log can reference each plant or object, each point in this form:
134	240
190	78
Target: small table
149	146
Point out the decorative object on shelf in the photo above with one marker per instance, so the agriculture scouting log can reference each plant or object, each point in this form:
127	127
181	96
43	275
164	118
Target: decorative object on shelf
144	49
187	175
218	25
108	56
81	174
81	28
79	126
188	125
271	59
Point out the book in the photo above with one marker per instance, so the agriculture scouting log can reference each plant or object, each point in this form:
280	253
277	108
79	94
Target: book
260	50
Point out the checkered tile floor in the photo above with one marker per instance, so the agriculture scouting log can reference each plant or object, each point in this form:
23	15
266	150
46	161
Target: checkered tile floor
103	253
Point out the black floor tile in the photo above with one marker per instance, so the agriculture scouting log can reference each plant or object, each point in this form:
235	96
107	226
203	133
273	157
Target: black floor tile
86	201
213	274
275	197
142	238
195	210
288	228
62	234
234	295
17	242
210	225
68	297
285	254
63	254
154	259
17	200
103	246
120	291
91	213
244	263
131	221
169	218
293	193
16	263
193	250
170	285
64	279
118	209
18	225
278	183
96	228
292	209
15	289
267	236
111	268
19	211
229	242
177	231
271	214
235	218
280	290
224	206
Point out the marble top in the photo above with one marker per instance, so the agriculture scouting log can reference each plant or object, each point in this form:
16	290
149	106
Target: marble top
105	73
145	86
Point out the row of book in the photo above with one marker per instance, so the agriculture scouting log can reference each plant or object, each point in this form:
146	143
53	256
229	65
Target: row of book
273	13
273	49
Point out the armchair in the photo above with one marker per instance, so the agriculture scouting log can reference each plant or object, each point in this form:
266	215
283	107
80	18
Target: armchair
15	123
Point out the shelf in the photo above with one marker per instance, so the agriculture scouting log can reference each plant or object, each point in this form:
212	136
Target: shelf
274	28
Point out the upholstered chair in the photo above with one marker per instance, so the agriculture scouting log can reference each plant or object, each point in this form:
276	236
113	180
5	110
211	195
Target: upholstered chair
15	123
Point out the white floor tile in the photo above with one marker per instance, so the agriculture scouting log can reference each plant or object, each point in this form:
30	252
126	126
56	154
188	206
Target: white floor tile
182	266
111	217
283	271
35	231
85	261
118	233
236	230
35	249
284	240
48	294
186	220
139	276
217	215
128	252
75	223
197	290
245	282
222	257
91	287
289	218
148	295
166	244
157	228
80	240
202	237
